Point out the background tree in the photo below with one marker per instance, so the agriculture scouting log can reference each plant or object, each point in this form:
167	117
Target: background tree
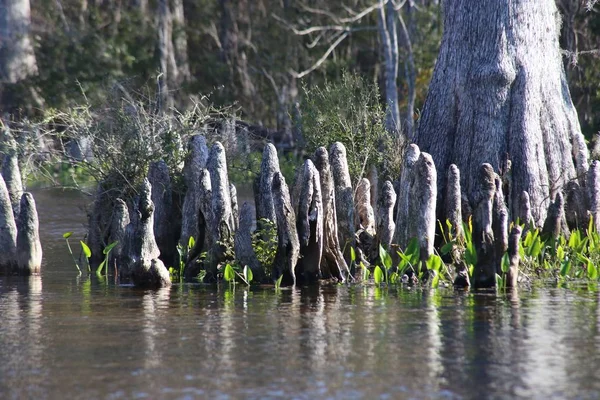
499	92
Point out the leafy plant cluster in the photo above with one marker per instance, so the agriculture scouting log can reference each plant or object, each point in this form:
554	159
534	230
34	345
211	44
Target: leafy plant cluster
349	111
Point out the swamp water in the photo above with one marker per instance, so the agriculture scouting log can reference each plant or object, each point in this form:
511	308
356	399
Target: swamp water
63	336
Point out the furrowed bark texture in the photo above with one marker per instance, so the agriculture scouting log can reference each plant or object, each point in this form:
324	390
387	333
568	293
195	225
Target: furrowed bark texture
12	173
268	168
220	225
204	238
484	273
401	235
118	227
309	222
288	245
29	247
525	210
386	225
195	162
499	224
576	205
512	277
235	212
140	252
364	216
8	232
344	202
490	95
593	187
452	201
333	264
553	226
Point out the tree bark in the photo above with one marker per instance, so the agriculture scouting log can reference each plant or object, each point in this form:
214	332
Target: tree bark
491	96
8	232
389	42
288	245
29	247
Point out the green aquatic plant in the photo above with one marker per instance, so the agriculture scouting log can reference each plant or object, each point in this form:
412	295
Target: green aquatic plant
183	252
264	244
104	264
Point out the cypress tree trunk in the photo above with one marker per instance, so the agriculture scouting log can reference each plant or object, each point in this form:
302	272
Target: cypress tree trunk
499	92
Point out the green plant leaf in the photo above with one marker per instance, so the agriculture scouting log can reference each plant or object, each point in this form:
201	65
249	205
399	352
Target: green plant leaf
248	274
108	248
499	281
366	272
385	258
278	281
592	271
378	275
352	254
434	263
394	277
413	251
435	282
560	253
505	263
100	268
470	254
229	273
67	235
86	249
565	267
447	248
191	243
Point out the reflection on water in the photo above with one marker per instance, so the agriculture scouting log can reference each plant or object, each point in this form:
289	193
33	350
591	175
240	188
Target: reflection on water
76	337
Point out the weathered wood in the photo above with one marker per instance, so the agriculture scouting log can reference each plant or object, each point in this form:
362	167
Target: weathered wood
99	219
8	232
204	239
553	225
220	225
12	173
244	252
576	206
140	259
309	224
118	227
288	245
421	217
333	264
268	168
344	202
512	277
499	224
402	235
29	247
195	162
385	214
452	202
162	197
373	178
525	215
484	273
593	189
364	215
234	207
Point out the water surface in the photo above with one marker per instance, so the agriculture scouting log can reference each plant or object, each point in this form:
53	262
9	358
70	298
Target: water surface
64	336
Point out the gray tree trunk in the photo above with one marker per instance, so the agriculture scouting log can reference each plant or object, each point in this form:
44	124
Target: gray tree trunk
389	41
29	247
288	245
344	202
17	59
8	232
493	96
244	252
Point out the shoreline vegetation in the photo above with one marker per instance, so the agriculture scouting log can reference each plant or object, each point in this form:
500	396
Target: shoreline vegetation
166	208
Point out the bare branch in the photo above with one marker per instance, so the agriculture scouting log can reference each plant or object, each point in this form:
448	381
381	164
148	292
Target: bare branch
322	59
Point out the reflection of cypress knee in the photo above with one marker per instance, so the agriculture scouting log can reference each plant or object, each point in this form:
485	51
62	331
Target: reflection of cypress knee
333	264
309	224
8	232
288	246
29	248
513	255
